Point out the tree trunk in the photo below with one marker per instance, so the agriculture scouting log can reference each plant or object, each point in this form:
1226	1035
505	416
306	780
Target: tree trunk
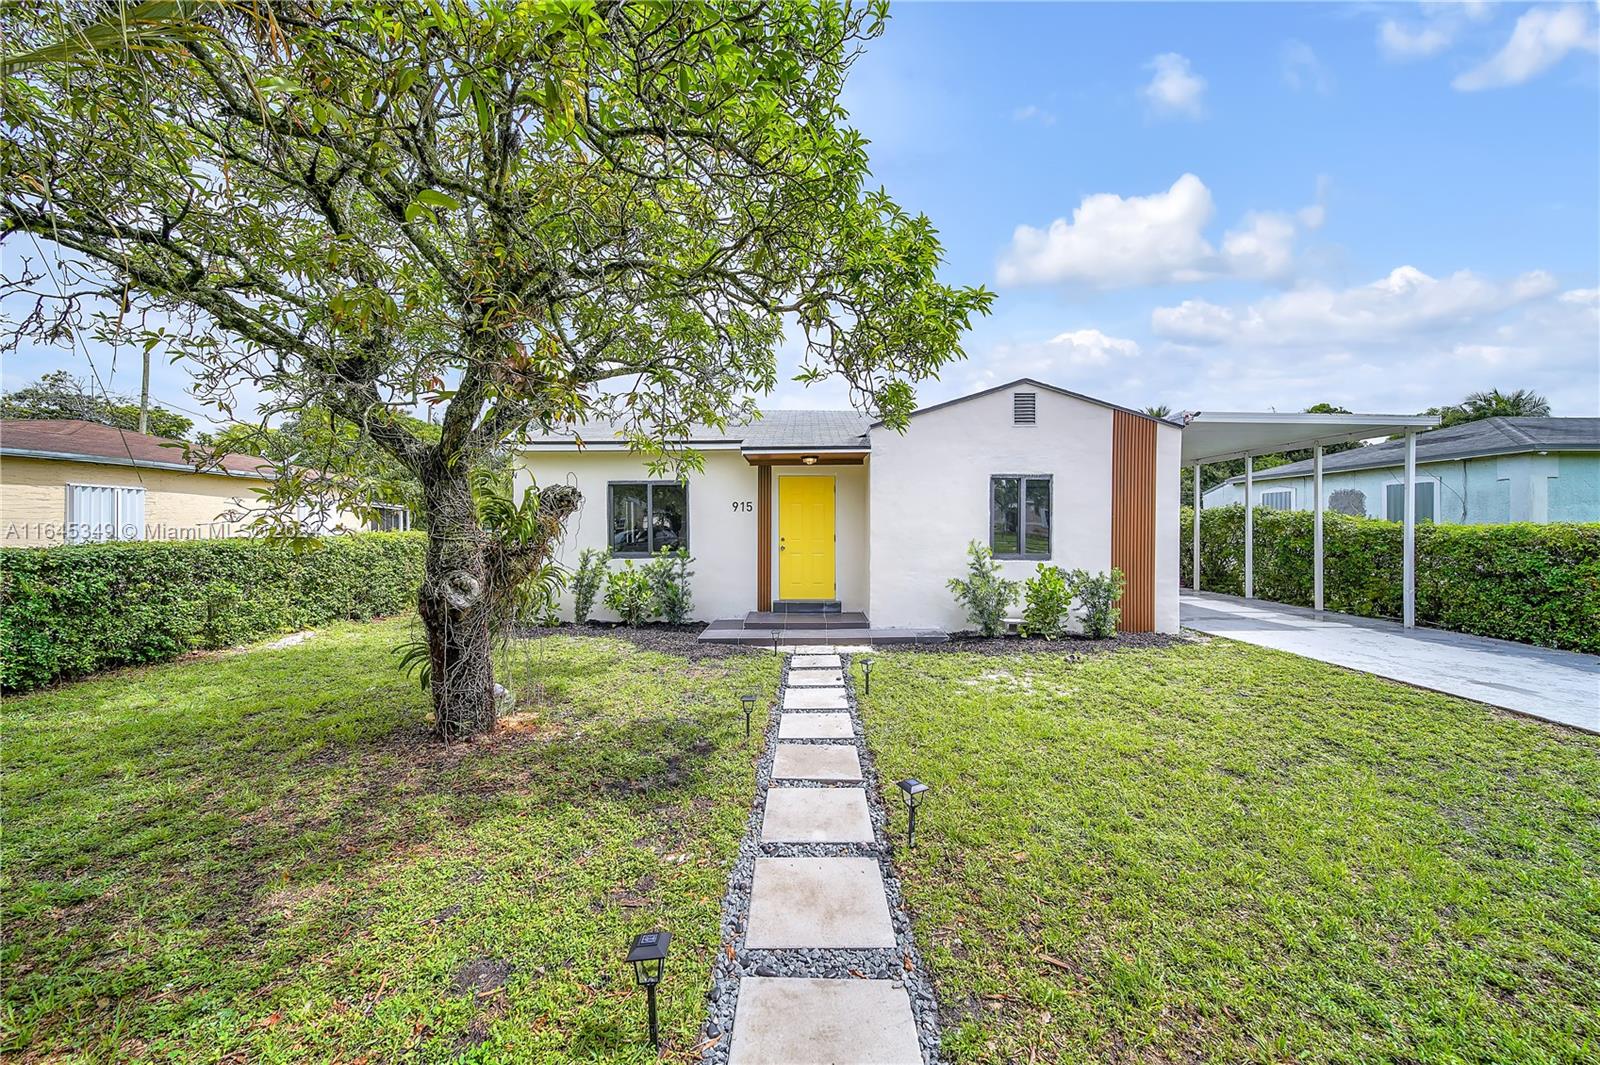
457	608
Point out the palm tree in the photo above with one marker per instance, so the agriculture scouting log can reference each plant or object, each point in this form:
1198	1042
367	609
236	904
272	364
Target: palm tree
1160	410
1523	403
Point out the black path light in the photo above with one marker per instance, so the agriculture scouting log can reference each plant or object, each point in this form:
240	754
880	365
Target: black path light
649	957
913	790
774	641
866	671
749	702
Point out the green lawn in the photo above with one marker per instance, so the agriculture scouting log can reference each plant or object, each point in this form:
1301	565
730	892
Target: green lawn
261	857
1215	852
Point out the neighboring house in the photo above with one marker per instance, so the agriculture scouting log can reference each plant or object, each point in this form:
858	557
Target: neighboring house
830	509
69	482
1490	471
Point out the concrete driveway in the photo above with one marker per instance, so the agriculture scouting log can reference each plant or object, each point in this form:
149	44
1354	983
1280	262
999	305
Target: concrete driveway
1560	686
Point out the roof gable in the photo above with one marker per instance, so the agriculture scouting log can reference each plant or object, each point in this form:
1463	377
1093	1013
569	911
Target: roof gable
1044	386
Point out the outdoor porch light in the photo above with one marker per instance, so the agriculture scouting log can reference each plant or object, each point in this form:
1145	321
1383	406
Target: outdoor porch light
866	672
649	957
809	460
749	702
912	788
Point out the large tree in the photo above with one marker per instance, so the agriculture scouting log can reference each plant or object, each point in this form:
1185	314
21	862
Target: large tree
526	213
1521	403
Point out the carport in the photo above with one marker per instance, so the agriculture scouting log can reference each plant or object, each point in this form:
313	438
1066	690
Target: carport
1216	436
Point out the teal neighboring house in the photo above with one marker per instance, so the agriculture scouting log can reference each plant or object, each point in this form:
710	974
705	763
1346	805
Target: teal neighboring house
1486	472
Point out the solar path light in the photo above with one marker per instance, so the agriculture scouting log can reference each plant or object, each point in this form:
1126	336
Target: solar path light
649	957
749	702
913	789
866	671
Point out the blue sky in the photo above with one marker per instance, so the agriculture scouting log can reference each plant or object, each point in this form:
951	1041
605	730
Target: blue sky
1413	195
1239	206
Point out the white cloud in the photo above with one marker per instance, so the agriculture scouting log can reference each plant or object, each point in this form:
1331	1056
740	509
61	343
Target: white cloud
1405	303
1302	70
1583	297
1033	113
1089	347
1175	90
1441	26
1114	241
1542	38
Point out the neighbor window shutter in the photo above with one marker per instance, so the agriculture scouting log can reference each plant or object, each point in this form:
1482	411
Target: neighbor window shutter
130	514
91	513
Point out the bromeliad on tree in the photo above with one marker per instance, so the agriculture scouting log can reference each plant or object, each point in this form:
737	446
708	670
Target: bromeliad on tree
524	214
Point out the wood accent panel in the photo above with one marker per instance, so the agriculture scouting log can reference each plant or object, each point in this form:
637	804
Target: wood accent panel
1133	517
764	537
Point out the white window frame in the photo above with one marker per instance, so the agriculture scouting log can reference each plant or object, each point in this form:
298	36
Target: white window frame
117	517
1287	490
383	508
1400	483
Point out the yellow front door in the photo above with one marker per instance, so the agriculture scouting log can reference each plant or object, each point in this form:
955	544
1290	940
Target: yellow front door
805	538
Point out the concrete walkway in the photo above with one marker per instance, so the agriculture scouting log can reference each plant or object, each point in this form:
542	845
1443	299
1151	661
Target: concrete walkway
821	960
1559	686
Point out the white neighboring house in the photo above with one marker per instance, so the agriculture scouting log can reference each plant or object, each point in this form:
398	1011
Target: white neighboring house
809	509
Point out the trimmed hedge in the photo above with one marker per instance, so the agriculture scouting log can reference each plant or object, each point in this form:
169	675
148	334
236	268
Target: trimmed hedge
68	611
1534	583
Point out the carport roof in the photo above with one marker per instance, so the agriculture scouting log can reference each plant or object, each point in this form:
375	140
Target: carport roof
1216	436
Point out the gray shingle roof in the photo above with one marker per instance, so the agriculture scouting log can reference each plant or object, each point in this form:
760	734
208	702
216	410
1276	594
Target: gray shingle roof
774	430
1479	439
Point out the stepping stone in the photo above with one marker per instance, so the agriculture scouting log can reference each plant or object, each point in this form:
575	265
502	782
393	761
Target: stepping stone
815	699
814	661
818	903
816	815
815	727
815	678
816	761
842	1022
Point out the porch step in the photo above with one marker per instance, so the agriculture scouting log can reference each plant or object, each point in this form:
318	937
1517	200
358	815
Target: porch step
768	620
807	606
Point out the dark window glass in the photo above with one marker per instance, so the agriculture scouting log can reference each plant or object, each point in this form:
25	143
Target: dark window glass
1019	517
1004	517
1036	519
648	517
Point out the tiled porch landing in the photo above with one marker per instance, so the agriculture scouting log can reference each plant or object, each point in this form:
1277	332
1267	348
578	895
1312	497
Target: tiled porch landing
811	629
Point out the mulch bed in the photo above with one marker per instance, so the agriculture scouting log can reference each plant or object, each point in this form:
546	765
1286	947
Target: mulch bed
1070	647
679	640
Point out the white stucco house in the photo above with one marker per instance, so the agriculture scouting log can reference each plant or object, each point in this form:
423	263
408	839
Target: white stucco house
828	511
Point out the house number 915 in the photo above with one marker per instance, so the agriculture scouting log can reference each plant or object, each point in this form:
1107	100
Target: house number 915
743	505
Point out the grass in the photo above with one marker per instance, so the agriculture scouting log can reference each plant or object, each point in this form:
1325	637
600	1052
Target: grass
1216	852
261	857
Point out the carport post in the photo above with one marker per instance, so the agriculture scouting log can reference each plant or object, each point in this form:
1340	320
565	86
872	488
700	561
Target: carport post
1409	573
1195	550
1316	527
1249	526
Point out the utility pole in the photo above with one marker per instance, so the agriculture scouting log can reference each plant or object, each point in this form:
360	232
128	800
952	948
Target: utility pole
144	394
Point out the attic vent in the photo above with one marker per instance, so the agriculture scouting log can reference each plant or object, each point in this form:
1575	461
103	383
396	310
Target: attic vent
1024	408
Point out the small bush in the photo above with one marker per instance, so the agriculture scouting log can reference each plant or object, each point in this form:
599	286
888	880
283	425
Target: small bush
986	595
1099	592
670	594
1047	603
628	593
587	580
75	609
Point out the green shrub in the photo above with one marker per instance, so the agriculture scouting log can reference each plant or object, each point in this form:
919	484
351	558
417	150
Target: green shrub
628	593
1098	592
1047	603
72	610
985	593
587	580
670	594
1534	583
